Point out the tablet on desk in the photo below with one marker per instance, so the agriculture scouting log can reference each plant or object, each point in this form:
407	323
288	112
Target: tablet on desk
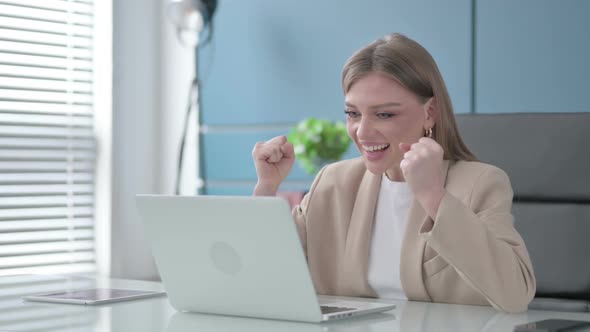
93	296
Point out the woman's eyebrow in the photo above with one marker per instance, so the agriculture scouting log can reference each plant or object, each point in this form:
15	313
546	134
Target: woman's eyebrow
384	105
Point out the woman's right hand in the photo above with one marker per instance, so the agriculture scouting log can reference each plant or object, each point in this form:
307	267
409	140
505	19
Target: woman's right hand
273	160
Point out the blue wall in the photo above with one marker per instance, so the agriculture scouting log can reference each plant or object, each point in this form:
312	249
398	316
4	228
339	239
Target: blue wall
532	56
273	63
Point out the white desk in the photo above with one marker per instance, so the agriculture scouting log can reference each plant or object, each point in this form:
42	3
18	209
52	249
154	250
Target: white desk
156	314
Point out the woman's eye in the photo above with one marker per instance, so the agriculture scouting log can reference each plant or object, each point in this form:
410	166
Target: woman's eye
352	114
385	115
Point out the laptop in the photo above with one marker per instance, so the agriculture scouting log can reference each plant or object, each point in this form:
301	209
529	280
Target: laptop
236	255
182	322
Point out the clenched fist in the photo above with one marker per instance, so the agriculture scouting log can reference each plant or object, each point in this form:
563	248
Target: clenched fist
421	166
273	160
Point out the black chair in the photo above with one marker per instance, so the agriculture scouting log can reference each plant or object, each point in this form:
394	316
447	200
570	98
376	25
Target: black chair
547	157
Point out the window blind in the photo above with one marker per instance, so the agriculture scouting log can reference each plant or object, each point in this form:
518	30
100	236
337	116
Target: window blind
19	317
47	144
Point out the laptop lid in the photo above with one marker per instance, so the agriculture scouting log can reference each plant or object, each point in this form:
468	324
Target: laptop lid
213	256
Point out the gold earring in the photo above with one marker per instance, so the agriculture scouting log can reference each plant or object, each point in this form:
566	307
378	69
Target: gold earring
428	133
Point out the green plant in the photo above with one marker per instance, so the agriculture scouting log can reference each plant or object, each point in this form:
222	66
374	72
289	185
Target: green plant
318	142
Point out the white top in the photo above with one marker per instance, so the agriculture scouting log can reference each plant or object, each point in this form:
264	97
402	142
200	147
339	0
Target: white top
391	219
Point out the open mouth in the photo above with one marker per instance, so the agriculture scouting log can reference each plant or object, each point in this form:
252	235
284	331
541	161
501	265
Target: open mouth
376	148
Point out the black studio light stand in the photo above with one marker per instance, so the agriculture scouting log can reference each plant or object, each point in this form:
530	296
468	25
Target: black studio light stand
191	18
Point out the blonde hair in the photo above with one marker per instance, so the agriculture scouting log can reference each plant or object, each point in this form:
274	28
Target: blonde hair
410	64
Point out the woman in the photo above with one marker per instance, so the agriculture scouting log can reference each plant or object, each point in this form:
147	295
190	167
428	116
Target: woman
416	216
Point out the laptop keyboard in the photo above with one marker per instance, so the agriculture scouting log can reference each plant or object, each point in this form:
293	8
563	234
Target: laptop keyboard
328	310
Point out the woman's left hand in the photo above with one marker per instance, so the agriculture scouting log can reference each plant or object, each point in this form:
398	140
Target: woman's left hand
421	167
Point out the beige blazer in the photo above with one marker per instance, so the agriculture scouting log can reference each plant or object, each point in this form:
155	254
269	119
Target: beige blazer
470	253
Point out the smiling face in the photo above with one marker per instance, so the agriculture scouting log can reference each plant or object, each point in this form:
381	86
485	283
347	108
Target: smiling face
380	114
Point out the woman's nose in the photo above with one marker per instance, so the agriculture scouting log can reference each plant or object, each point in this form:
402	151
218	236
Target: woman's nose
364	129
